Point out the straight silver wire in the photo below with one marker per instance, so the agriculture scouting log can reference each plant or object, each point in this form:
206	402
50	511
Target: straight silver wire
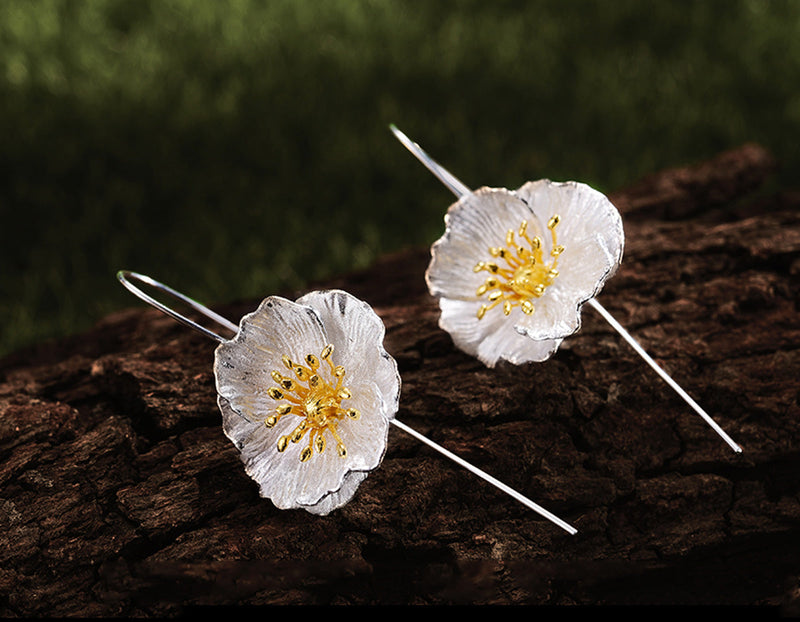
641	352
459	189
447	178
125	277
473	469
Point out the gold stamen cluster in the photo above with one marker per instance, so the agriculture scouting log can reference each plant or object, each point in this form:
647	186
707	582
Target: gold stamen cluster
313	398
525	274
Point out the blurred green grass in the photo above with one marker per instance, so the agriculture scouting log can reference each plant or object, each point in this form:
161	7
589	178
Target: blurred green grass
236	149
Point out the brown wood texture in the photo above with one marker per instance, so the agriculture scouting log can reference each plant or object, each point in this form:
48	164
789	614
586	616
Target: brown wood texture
120	495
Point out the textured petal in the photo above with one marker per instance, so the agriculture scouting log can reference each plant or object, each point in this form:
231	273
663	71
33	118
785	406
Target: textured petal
590	231
353	324
556	315
458	318
492	338
288	488
474	224
338	498
243	365
290	483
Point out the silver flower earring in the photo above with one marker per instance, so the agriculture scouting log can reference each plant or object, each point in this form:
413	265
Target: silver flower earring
514	268
307	393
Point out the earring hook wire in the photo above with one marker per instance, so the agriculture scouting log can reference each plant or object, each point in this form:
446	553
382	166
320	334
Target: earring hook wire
126	277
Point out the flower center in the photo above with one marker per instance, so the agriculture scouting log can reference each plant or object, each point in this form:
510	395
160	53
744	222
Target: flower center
525	274
317	401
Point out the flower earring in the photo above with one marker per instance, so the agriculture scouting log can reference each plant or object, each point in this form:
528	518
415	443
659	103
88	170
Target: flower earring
514	268
307	393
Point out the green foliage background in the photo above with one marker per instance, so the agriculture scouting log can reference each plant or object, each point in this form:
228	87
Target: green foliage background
235	149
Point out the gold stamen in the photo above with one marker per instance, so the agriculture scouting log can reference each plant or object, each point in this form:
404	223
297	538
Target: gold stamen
298	432
526	274
318	404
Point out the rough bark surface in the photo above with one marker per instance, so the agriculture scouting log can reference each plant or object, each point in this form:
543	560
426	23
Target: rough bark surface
120	495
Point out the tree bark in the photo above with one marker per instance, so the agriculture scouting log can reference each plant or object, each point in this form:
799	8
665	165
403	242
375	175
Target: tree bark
120	495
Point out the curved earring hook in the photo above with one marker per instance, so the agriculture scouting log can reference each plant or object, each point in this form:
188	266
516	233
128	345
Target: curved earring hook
126	276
